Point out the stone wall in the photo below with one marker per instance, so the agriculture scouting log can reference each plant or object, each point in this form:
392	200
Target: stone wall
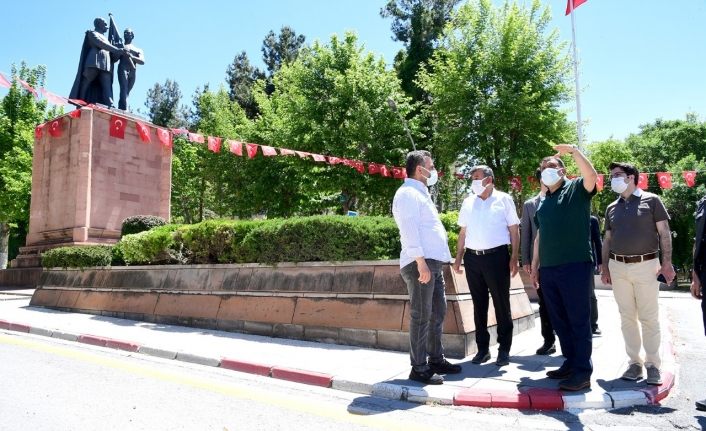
354	303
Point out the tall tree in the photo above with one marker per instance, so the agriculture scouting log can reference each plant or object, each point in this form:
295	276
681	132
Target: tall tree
163	105
332	100
281	49
241	76
20	112
499	79
418	24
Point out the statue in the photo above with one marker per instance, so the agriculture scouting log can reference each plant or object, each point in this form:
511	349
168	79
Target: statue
94	78
127	68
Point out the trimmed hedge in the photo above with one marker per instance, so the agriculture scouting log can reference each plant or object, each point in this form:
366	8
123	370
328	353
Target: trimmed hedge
78	257
299	239
140	223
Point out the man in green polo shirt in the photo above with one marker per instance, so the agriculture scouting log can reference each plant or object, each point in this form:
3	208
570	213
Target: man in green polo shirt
562	263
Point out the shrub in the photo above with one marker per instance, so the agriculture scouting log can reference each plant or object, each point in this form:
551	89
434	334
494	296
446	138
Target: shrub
77	257
140	223
299	239
156	246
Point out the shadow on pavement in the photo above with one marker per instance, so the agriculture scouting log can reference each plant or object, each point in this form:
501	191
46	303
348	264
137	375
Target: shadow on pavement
370	405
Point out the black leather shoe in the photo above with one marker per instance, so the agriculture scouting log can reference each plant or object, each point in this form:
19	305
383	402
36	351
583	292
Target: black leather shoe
445	367
575	384
481	357
429	377
546	349
596	331
559	373
701	405
503	359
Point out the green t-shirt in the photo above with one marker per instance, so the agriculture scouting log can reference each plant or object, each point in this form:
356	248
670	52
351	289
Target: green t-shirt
564	223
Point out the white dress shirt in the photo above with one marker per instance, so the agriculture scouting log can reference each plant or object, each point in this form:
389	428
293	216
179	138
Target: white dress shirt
421	231
487	221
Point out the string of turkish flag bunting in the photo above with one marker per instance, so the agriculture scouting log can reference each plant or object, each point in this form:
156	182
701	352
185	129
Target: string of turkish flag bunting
55	128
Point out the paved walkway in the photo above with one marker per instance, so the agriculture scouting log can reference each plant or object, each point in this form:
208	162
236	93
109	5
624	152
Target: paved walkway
522	384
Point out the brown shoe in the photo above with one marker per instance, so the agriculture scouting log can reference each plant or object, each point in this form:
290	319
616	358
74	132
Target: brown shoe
559	373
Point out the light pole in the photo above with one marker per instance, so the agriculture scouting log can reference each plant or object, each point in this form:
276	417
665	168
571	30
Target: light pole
393	106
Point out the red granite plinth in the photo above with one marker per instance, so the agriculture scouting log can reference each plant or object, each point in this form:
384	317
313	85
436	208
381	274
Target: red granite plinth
85	183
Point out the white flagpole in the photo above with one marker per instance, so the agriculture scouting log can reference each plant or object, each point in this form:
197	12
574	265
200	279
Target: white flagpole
579	129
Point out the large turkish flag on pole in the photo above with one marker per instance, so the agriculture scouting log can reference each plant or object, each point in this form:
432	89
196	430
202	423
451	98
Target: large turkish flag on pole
576	4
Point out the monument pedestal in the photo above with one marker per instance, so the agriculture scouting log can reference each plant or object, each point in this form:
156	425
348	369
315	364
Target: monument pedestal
86	182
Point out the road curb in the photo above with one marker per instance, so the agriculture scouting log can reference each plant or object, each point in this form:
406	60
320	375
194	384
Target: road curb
530	398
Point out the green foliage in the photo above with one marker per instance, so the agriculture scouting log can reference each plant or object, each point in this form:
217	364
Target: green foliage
140	223
497	83
318	238
163	105
450	222
601	155
418	25
156	246
332	100
77	257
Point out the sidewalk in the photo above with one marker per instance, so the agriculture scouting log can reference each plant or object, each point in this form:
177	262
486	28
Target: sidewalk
522	384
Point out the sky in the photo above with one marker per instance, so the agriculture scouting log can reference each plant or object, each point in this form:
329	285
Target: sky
639	59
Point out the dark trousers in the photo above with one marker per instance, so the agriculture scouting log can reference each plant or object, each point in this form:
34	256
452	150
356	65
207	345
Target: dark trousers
702	278
490	273
547	329
594	304
567	292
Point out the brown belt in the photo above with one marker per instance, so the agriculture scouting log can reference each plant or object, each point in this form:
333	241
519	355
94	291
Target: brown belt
633	258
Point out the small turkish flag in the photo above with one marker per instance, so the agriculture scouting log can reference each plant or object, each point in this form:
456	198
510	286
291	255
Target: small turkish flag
642	181
4	82
318	158
268	151
235	147
53	98
117	126
143	131
180	131
334	160
28	87
38	131
195	137
576	3
689	178
56	127
286	152
78	102
76	113
214	144
398	172
165	138
516	183
373	168
599	182
251	149
384	171
664	179
302	154
360	167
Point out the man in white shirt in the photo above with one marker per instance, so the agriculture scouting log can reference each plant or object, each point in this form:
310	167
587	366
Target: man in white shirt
425	250
489	223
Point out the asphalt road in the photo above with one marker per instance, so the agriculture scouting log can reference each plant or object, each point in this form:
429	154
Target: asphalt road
50	384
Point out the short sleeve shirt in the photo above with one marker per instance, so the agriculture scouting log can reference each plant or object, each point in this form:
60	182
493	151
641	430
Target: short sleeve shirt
563	221
632	223
486	221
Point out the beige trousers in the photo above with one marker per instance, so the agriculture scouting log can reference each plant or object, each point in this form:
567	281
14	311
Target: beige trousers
636	291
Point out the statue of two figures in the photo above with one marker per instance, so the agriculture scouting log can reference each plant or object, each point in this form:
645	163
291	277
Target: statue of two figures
94	78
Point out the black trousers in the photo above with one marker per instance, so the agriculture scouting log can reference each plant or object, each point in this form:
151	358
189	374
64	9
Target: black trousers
547	329
490	273
594	304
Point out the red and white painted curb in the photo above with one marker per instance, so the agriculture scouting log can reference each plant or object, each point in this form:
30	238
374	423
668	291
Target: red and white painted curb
526	398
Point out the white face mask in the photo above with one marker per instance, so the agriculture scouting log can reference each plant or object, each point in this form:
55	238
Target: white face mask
432	178
477	187
550	176
618	185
